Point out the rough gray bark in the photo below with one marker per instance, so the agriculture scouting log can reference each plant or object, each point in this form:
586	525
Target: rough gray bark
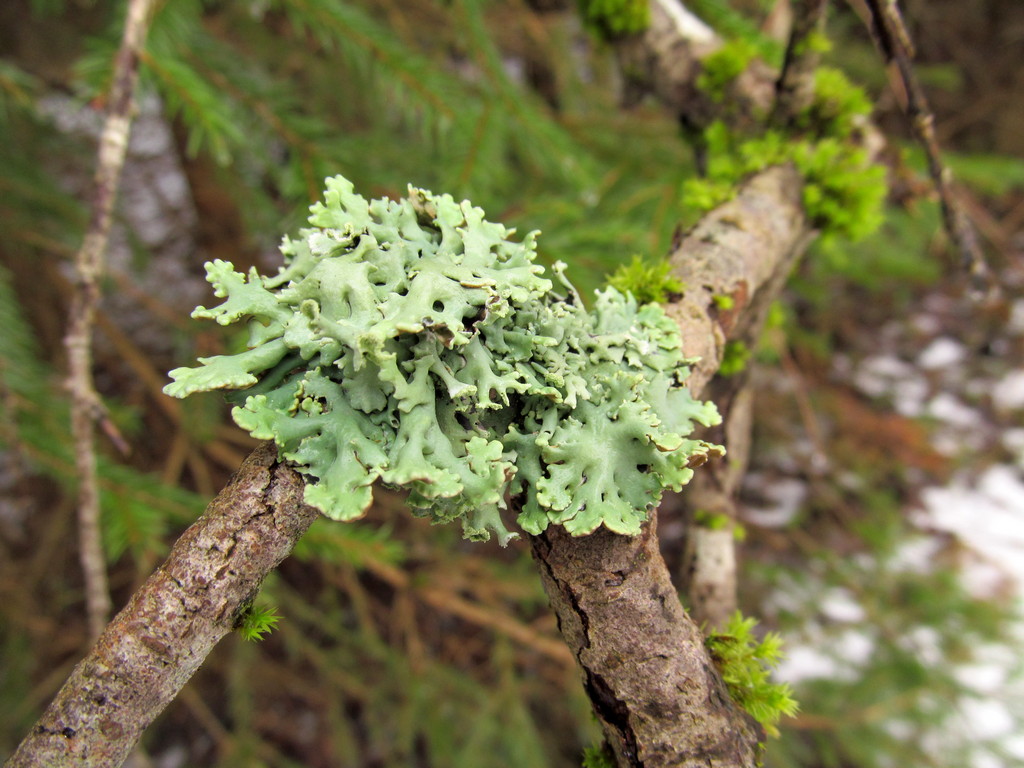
743	250
152	647
643	661
653	686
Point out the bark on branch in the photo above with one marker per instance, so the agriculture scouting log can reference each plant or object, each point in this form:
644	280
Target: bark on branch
743	250
644	665
642	657
86	407
152	647
650	680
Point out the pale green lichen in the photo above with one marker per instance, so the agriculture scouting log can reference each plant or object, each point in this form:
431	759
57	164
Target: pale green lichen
413	343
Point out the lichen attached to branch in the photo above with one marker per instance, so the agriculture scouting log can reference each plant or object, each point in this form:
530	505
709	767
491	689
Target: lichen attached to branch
412	342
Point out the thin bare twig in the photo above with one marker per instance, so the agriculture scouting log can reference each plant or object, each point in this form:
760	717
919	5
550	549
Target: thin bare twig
86	407
893	41
794	90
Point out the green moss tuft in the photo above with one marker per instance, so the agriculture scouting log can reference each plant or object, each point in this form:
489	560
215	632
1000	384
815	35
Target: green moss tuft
719	521
648	282
843	192
734	358
705	194
713	521
723	66
256	621
838	105
723	301
745	663
614	18
598	756
815	42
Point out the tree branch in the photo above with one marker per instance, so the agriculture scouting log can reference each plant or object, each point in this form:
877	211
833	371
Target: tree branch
708	571
152	647
795	86
86	407
893	41
642	657
743	250
643	660
652	685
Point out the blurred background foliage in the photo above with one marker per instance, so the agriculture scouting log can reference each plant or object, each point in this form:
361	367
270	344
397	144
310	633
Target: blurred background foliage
401	645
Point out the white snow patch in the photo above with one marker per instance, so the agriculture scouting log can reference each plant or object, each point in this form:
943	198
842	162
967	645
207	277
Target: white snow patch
1015	746
1008	392
803	662
926	645
951	410
985	760
988	518
789	596
909	396
982	578
848	651
925	323
987	718
963	427
917	555
941	353
887	375
1015	324
900	729
854	647
839	605
785	497
1013	440
875	375
983	677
